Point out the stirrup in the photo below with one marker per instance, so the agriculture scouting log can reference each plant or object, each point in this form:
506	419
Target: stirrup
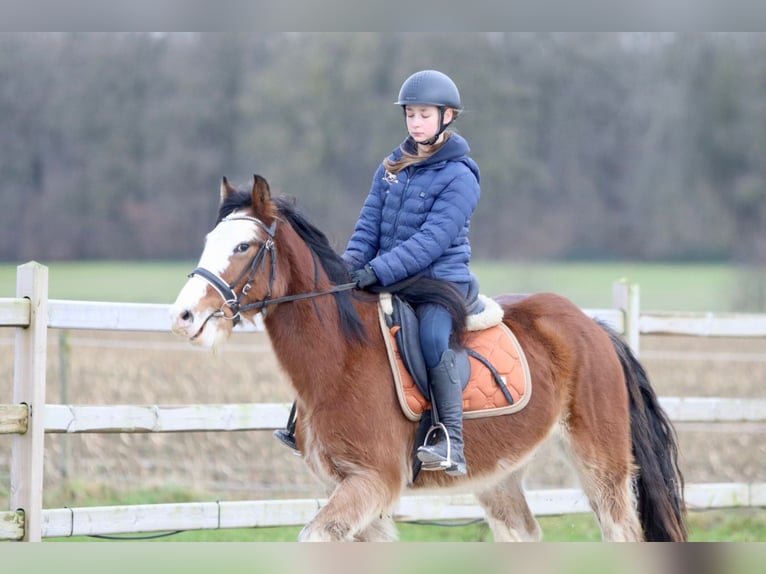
437	464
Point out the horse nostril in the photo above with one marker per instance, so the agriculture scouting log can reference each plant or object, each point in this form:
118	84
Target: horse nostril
187	316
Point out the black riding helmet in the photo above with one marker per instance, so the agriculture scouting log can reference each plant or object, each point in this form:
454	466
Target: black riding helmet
430	88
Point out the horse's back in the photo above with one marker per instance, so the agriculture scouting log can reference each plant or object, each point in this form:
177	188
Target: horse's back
562	339
534	311
562	329
558	337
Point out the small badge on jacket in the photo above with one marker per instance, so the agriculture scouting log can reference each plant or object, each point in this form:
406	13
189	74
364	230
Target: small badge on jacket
390	177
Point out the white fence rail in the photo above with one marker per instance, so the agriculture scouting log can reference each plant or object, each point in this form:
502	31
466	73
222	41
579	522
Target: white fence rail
64	522
28	418
268	416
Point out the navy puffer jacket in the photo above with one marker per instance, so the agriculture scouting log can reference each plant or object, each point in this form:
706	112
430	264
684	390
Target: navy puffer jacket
417	221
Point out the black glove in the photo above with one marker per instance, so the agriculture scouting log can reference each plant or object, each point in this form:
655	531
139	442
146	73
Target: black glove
364	277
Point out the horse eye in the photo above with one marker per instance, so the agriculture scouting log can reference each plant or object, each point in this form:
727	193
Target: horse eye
241	248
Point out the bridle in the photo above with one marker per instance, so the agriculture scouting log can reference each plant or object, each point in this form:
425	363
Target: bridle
232	301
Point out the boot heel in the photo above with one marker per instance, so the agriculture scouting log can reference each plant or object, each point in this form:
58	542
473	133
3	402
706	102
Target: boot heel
457	469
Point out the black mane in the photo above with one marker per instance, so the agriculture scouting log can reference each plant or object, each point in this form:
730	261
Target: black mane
336	270
415	290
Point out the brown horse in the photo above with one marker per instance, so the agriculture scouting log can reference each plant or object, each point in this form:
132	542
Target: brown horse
264	257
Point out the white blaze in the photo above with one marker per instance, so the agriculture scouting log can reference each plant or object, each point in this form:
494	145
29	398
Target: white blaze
220	245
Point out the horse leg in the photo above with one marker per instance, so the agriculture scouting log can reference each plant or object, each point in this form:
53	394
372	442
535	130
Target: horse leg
381	529
357	502
507	511
606	477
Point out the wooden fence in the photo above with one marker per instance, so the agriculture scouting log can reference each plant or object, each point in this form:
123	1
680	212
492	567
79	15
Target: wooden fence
28	418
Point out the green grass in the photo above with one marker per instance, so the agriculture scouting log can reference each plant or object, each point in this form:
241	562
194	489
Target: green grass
722	525
676	287
688	287
672	287
740	525
144	282
732	525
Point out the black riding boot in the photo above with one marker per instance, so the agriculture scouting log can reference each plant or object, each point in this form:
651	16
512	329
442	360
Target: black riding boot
287	435
447	397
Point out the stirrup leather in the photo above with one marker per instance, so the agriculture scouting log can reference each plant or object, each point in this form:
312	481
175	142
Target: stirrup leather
441	463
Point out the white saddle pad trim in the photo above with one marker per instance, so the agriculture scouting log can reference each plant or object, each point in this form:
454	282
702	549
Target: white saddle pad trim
491	315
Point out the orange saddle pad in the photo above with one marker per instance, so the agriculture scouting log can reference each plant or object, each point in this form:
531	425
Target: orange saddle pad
482	396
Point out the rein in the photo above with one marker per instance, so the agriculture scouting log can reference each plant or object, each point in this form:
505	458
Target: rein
232	301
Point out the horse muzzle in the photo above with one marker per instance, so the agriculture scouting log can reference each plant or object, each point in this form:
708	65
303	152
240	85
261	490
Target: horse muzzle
202	329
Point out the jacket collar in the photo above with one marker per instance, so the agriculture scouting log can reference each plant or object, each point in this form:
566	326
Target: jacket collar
455	148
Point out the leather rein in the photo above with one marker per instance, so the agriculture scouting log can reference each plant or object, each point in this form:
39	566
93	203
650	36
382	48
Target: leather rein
232	301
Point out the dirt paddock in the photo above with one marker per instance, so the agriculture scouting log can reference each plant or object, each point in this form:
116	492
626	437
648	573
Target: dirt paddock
138	368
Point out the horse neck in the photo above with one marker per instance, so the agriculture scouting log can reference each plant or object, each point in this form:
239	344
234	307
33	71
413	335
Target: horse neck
306	335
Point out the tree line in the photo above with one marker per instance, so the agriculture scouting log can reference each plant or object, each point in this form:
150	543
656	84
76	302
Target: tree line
636	146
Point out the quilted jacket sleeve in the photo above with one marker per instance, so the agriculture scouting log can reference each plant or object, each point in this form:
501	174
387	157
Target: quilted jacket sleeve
365	241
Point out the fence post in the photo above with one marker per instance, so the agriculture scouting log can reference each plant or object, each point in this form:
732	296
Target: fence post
626	298
29	388
65	366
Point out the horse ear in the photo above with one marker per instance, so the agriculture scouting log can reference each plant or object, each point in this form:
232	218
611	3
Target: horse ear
262	204
226	189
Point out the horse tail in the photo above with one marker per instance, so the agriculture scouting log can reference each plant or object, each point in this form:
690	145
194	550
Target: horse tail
659	484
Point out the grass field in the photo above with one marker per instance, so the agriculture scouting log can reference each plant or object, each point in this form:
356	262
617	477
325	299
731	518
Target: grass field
744	525
155	368
672	287
725	525
730	525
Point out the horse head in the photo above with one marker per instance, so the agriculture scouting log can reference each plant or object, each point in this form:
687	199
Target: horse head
237	268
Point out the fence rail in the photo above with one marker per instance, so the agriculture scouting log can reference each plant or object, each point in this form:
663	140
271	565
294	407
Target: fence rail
29	418
100	520
269	416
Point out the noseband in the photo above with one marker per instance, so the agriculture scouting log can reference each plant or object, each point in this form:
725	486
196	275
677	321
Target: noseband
231	300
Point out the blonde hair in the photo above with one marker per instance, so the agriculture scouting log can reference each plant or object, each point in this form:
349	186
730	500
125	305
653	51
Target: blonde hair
408	158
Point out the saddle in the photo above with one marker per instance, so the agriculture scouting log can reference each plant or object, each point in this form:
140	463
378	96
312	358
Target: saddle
492	364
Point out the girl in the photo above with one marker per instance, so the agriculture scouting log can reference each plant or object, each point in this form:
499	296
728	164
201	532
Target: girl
415	220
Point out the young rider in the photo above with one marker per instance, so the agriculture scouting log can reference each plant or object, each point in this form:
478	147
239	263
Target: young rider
414	221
